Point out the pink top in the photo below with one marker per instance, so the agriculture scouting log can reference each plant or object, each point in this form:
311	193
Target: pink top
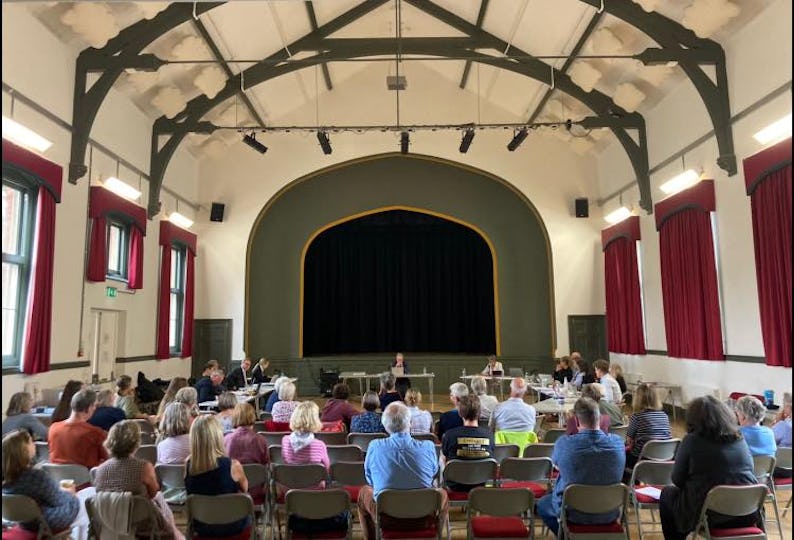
244	445
314	452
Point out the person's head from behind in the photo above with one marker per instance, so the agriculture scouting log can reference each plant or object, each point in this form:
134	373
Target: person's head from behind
750	411
216	377
206	444
478	385
456	391
306	418
20	403
244	415
646	398
174	386
278	383
615	370
71	388
124	385
413	397
340	391
387	382
518	387
711	419
592	391
187	395
287	391
587	413
84	402
396	418
18	454
105	398
370	401
209	367
123	439
601	367
469	408
176	420
227	401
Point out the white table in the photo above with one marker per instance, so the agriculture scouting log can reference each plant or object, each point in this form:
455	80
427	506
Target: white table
552	406
242	396
362	376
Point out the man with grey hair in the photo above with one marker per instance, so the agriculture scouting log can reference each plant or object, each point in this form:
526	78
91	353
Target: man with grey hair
397	462
74	440
513	414
209	388
451	419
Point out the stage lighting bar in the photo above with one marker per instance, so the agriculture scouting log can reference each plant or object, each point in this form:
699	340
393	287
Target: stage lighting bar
325	143
518	138
465	142
251	141
405	140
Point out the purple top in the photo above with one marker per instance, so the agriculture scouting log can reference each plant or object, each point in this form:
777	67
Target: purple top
244	445
338	409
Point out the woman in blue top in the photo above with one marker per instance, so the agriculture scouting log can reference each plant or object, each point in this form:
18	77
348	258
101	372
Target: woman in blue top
760	439
368	421
211	472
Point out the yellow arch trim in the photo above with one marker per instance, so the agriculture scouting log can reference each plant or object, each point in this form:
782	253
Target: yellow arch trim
331	225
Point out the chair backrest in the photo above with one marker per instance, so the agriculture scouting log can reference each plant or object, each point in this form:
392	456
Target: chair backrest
595	499
259	426
170	476
348	473
425	437
553	434
763	467
470	472
204	508
408	503
501	502
72	471
504	451
362	440
273	437
536	469
621	431
344	452
148	434
147	452
256	473
783	457
539	450
660	450
42	451
143	512
274	454
331	437
23	509
302	476
733	501
657	473
316	504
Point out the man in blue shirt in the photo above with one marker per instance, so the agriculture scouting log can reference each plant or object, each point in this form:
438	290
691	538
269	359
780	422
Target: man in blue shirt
589	457
397	462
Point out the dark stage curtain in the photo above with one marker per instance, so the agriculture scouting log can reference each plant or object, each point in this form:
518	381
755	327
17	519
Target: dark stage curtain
398	281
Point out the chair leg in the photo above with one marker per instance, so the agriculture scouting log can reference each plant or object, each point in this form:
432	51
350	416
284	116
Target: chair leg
788	505
639	520
777	513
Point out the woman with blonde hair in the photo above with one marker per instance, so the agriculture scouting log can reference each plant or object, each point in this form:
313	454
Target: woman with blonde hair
226	404
421	421
211	472
173	443
301	446
649	422
616	371
18	416
176	384
283	409
479	387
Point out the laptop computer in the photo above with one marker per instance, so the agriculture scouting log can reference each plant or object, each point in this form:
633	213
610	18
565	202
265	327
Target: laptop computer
516	372
497	373
398	371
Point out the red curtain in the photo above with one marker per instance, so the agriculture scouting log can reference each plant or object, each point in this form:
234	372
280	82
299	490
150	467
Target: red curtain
689	286
135	269
770	203
38	326
97	266
623	303
187	331
164	306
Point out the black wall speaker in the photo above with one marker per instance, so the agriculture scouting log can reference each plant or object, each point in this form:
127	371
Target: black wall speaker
582	208
216	213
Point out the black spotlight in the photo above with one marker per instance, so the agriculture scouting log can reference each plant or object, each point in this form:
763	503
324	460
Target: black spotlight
405	140
518	138
251	141
465	142
325	143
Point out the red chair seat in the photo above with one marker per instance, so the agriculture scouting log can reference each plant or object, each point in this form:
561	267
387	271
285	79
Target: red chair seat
430	532
333	427
457	495
325	534
270	425
782	481
736	531
646	499
538	490
498	527
353	491
18	533
245	534
614	527
259	499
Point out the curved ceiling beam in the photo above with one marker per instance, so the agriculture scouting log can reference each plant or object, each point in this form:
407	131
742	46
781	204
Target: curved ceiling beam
337	49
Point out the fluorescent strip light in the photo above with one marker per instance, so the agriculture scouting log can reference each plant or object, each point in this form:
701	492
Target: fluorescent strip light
16	132
678	183
775	132
179	220
121	188
618	215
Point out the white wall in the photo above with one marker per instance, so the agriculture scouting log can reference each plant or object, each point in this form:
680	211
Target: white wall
41	67
759	61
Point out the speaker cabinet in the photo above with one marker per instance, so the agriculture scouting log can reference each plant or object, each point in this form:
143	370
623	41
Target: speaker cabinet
582	208
216	213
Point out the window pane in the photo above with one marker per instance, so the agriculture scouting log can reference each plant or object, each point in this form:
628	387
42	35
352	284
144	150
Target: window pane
12	219
10	308
114	249
174	268
173	320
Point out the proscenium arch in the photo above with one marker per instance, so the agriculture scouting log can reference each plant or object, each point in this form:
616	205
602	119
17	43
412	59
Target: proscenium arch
447	217
519	226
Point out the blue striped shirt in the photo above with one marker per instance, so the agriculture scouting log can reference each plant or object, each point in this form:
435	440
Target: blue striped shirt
647	425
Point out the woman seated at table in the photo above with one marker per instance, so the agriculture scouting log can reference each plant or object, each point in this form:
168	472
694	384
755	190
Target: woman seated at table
258	374
173	443
421	420
585	375
760	439
368	421
572	424
562	370
338	408
282	411
493	368
479	387
649	422
227	401
18	416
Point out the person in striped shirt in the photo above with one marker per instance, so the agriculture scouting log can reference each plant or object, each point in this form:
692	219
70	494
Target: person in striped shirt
649	422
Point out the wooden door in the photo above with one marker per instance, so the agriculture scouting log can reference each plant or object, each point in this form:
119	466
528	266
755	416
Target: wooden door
212	340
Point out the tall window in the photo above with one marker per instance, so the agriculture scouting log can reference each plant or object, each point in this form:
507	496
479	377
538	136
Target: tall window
18	205
177	311
118	249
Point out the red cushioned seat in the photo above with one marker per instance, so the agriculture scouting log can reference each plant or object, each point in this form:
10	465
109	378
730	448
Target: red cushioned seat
259	499
646	499
457	495
736	531
270	425
325	534
614	527
245	534
430	532
499	527
782	481
353	491
538	490
18	533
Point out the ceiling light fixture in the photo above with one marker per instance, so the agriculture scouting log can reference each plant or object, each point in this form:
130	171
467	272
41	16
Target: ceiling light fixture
773	133
518	138
121	188
465	142
251	141
686	179
325	142
618	215
179	220
405	140
19	134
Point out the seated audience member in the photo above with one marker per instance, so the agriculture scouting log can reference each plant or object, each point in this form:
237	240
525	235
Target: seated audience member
368	421
479	388
106	414
209	367
259	373
401	384
123	472
338	408
513	414
282	411
760	439
188	396
209	388
586	374
493	367
712	453
273	398
125	399
301	446
243	444
782	425
18	416
59	505
617	372
388	391
173	445
572	424
238	377
590	457
211	472
226	404
451	419
397	462
649	422
606	408
75	440
421	420
176	384
469	441
562	370
64	407
612	391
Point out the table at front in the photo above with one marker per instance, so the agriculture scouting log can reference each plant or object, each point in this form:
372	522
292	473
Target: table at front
242	396
367	376
552	406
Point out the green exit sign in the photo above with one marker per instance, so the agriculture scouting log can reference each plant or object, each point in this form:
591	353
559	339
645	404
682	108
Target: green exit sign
111	292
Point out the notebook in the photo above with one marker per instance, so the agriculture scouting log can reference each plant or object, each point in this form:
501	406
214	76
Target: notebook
398	371
649	491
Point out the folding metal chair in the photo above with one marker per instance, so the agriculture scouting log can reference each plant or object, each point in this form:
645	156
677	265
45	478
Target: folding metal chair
23	509
362	440
344	452
306	476
660	450
172	483
508	513
394	505
649	473
42	451
764	468
274	455
732	501
552	434
259	426
147	452
533	474
349	475
595	500
315	504
621	431
783	462
70	471
331	437
204	508
273	437
143	518
468	473
148	434
426	437
258	483
539	450
504	451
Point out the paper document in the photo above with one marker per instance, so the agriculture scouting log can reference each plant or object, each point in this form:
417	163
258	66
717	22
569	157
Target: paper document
650	491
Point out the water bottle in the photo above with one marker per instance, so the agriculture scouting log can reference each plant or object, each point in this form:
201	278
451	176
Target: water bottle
424	370
565	385
464	372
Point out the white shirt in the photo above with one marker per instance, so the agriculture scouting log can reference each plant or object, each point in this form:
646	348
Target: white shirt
489	370
611	389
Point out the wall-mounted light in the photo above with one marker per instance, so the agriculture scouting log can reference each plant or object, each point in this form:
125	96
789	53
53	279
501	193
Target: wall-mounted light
325	142
121	188
773	133
250	140
465	141
618	215
405	140
19	134
517	139
179	220
686	179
